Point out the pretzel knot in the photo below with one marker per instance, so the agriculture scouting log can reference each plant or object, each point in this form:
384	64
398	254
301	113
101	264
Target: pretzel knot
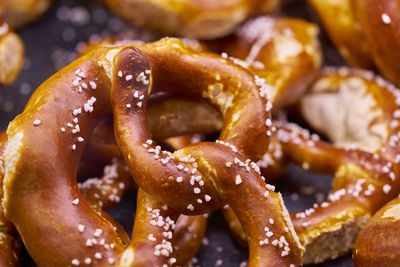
40	178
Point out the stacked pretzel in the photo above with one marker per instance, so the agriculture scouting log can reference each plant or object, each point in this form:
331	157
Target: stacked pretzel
121	99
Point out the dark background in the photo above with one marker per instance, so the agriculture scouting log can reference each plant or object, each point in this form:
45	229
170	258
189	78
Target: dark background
50	45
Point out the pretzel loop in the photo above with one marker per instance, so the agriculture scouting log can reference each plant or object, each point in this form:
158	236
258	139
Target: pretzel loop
36	188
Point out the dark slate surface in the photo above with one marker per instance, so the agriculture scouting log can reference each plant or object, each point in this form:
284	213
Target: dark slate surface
50	43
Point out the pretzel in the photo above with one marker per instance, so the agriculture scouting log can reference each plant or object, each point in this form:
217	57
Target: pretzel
196	19
378	242
12	54
57	93
288	76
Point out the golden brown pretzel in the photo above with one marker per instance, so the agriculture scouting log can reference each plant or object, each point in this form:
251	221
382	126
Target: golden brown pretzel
289	75
191	18
99	67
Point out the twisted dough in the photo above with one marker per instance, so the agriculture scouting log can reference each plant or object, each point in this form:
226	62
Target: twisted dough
57	94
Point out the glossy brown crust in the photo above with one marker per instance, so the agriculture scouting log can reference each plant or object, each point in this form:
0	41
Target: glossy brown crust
283	51
12	54
58	94
158	177
105	192
168	116
380	18
340	22
204	19
378	243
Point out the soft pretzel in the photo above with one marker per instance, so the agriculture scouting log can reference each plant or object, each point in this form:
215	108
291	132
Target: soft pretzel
60	91
288	75
190	18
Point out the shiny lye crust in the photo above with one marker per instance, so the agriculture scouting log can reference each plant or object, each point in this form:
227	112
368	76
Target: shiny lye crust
191	18
118	81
